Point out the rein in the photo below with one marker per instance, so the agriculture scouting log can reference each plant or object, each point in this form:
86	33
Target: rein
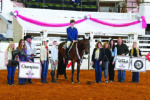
77	52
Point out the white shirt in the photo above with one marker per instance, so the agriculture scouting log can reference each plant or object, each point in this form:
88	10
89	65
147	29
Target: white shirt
54	53
30	49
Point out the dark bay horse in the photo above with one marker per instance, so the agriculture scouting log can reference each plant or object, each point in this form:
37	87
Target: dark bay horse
82	47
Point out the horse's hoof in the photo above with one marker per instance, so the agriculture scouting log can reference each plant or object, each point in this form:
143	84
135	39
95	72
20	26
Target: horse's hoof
66	79
56	78
72	82
78	82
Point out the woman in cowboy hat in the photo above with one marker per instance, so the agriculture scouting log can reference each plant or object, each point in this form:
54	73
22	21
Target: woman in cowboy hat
44	57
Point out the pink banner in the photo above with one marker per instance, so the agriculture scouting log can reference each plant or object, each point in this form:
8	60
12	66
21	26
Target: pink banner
113	25
44	23
144	25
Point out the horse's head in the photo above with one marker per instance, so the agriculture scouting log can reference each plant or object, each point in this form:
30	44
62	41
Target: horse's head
86	45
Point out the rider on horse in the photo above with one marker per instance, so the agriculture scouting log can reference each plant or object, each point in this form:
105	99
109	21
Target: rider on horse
72	36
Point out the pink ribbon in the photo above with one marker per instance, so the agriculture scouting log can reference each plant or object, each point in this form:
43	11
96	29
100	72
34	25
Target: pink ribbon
144	25
114	25
44	23
17	13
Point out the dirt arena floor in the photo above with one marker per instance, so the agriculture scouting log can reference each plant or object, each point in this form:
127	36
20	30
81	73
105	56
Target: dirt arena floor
64	90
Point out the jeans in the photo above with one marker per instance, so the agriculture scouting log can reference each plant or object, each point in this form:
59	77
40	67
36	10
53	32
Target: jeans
44	71
135	76
105	64
121	75
98	71
11	74
111	70
21	80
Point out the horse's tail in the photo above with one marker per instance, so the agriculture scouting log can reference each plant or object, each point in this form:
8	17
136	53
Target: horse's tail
61	64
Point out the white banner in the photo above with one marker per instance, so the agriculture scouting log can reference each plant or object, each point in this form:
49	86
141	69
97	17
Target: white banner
138	64
53	16
29	70
122	63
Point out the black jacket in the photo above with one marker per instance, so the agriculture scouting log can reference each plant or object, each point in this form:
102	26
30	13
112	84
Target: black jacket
107	55
101	55
122	49
135	53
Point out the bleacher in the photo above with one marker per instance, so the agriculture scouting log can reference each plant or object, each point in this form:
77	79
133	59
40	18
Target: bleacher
85	5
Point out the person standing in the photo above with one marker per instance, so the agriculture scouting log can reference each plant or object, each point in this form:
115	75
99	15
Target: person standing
10	66
113	50
54	60
30	51
97	60
106	60
44	57
135	52
72	37
122	50
22	57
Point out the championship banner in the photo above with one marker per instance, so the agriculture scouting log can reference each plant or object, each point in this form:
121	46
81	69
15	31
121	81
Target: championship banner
29	70
122	63
138	64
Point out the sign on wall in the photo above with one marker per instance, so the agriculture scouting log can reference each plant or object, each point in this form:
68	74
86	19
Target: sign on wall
122	63
138	64
29	70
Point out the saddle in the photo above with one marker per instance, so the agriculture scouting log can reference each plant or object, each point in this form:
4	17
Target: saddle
68	49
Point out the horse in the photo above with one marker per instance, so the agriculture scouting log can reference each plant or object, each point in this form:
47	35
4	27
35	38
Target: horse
76	53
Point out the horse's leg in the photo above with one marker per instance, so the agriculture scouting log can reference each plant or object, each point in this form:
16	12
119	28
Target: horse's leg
57	75
73	63
78	71
60	61
57	70
65	75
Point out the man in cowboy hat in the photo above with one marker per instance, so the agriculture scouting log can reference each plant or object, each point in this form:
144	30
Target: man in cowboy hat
44	57
30	50
72	36
54	59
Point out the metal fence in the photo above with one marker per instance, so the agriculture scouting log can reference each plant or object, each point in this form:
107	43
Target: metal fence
1	4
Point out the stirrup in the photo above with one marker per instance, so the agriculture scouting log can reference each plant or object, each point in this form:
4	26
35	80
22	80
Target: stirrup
80	60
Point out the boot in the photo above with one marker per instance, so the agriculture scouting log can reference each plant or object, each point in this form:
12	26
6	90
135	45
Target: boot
67	53
53	75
